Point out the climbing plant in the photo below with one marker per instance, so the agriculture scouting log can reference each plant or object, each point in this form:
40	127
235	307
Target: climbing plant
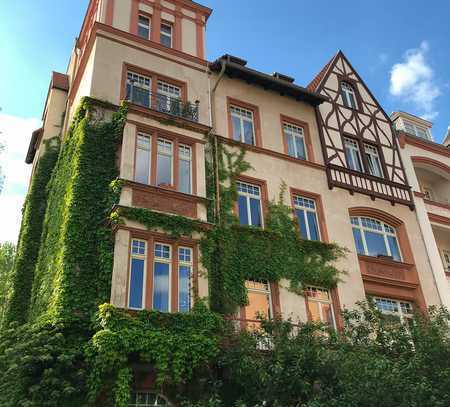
33	213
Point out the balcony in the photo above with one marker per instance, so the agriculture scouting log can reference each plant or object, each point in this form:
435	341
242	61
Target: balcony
376	187
162	103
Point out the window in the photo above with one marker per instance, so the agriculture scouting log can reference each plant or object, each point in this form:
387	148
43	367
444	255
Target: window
249	204
164	163
353	154
259	300
138	89
144	27
375	238
161	277
400	310
348	95
320	306
168	98
137	274
147	399
446	257
305	210
166	35
184	278
242	125
415	130
373	160
295	140
185	168
143	158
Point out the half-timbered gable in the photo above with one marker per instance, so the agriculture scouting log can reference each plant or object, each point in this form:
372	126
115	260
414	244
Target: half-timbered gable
358	140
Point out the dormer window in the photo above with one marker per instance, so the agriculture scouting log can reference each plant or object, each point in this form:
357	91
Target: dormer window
348	95
166	35
415	130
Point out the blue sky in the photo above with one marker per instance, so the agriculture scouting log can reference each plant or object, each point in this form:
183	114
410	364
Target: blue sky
400	48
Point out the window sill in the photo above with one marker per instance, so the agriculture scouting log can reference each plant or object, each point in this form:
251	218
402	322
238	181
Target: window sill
384	260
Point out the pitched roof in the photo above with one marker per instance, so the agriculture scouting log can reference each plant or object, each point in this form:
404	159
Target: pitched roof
314	84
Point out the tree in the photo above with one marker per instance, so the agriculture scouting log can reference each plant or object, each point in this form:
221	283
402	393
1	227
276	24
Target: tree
7	254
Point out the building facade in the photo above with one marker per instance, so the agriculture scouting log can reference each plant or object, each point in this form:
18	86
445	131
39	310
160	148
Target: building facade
353	175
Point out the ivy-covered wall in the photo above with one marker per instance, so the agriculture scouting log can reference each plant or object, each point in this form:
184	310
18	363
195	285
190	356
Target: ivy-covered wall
58	349
30	234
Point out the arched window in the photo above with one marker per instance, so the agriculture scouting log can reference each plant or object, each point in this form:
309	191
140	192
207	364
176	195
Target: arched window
375	238
348	95
147	399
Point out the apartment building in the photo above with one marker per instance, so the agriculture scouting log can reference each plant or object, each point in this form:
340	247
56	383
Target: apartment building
349	179
427	166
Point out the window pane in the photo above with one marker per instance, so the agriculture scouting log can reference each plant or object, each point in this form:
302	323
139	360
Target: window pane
185	176
290	144
161	287
248	132
313	308
302	223
142	159
236	122
313	228
136	283
301	151
258	305
164	170
358	241
242	207
140	96
327	314
255	210
143	32
183	288
393	245
375	244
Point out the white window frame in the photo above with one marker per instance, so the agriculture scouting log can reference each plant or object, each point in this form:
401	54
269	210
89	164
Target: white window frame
157	259
373	155
162	33
149	136
308	205
321	301
355	152
294	132
386	230
166	142
140	81
189	264
249	195
147	27
415	130
266	291
397	303
144	278
185	158
348	90
159	396
243	115
446	259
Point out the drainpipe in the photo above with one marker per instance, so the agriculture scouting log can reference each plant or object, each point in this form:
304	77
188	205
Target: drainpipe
212	133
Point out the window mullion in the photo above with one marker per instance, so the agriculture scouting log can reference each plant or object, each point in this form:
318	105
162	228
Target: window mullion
308	233
249	211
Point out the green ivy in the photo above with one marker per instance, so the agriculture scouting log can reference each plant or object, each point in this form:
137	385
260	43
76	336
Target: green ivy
30	234
175	345
73	271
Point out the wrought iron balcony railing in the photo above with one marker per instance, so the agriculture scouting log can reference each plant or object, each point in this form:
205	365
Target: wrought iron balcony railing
163	103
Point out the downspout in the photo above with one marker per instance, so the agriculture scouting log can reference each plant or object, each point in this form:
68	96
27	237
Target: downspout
212	133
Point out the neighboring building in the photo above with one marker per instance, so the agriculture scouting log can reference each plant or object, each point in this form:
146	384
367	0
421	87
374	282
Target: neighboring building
331	143
427	166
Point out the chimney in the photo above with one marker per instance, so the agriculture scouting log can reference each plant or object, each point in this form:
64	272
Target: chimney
446	141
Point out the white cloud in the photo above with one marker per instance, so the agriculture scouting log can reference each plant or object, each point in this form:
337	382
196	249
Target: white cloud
15	134
413	81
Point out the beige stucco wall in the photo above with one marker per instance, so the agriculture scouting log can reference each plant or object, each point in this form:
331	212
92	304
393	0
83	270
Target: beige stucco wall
110	57
271	105
122	15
